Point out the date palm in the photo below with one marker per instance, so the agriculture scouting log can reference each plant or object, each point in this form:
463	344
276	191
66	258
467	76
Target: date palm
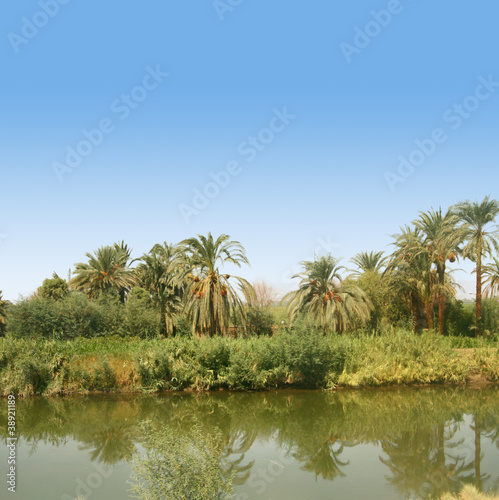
324	296
108	269
481	238
491	273
369	262
441	238
160	273
409	273
211	295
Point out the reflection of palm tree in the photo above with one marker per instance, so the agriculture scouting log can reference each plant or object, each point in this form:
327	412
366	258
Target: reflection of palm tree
421	464
112	444
323	460
477	429
238	443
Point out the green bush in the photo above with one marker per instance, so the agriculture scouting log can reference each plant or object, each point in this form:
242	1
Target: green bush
154	368
308	354
460	319
140	318
260	321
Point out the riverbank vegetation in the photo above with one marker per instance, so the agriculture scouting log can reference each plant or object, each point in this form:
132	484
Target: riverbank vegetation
175	318
293	357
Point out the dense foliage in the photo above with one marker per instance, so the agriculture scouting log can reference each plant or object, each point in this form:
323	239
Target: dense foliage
293	357
183	289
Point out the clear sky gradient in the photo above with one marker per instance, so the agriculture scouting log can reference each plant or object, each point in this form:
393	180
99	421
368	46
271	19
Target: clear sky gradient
116	116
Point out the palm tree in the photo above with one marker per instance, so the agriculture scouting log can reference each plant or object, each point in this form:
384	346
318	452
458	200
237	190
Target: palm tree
325	297
491	282
369	262
476	218
160	273
440	242
369	276
410	274
3	313
107	270
210	294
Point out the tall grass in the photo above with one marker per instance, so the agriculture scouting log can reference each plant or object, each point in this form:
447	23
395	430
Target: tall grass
292	357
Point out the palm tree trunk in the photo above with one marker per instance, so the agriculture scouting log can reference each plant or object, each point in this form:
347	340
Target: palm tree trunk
478	300
441	300
429	314
478	453
162	312
415	318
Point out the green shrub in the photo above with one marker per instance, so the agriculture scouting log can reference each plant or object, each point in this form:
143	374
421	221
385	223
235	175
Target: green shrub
308	355
260	321
460	319
154	368
140	318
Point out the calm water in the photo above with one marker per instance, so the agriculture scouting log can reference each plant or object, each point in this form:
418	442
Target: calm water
370	444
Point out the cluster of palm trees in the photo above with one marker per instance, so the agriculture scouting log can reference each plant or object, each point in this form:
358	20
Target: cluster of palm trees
184	279
418	267
187	280
416	271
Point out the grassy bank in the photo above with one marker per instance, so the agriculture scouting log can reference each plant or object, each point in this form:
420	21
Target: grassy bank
291	358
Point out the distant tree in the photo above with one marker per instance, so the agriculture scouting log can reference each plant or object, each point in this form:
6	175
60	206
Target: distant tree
480	239
54	288
210	295
326	298
4	304
266	295
107	270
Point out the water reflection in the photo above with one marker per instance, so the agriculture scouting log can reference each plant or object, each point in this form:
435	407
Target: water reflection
430	440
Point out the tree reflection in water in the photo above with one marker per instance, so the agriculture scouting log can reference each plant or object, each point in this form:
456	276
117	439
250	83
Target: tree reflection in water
419	432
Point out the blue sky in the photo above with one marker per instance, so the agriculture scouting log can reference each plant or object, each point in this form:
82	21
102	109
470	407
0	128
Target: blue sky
303	106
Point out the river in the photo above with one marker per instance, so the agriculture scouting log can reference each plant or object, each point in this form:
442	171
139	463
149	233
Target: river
366	444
